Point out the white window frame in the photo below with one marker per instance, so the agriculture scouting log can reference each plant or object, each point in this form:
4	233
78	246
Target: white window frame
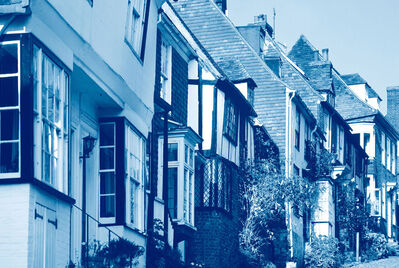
134	32
388	153
327	129
18	74
341	142
107	220
297	144
59	131
383	150
394	157
166	72
135	182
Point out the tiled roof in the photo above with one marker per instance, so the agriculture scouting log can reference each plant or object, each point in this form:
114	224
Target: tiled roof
347	103
356	79
233	68
353	79
223	41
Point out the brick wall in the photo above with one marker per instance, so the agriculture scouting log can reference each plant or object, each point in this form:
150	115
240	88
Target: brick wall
216	241
393	106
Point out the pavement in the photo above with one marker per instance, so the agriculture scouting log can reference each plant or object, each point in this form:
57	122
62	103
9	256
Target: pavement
391	262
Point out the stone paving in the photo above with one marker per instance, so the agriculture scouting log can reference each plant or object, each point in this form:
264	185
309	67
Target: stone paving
391	262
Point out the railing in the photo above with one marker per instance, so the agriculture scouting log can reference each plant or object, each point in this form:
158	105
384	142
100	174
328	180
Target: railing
92	236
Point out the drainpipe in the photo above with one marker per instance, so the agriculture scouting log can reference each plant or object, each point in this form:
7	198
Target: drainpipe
88	145
290	94
165	177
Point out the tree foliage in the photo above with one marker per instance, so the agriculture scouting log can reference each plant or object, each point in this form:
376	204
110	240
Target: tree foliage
265	193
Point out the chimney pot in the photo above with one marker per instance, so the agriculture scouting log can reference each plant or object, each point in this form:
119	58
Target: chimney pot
325	54
222	4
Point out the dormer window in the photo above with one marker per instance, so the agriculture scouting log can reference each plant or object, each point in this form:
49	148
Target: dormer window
181	148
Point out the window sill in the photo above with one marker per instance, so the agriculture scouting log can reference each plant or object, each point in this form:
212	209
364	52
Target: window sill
134	51
48	188
135	229
159	200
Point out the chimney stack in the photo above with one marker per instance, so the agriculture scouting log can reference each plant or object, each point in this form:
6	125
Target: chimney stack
393	106
325	54
260	19
222	4
316	55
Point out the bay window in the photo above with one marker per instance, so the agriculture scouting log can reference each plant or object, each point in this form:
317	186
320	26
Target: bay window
50	114
180	201
10	145
136	173
123	174
107	172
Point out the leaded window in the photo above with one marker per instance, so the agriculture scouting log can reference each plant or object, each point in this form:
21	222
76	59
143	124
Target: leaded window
230	127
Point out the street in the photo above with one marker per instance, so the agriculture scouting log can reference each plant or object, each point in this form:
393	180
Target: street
389	262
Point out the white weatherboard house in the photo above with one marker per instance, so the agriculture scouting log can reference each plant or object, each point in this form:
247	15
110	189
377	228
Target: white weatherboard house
76	87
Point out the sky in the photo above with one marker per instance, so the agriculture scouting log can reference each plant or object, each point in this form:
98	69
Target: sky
362	35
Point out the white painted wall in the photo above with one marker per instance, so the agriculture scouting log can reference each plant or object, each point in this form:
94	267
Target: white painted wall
360	91
362	128
207	110
14	225
323	221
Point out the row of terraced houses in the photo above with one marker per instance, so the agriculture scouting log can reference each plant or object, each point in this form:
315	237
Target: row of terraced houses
117	116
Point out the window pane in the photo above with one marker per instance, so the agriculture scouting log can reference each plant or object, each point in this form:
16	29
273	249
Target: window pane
107	184
186	154
107	206
107	134
191	158
9	125
172	151
8	91
46	167
106	158
9	157
46	137
172	191
50	104
9	59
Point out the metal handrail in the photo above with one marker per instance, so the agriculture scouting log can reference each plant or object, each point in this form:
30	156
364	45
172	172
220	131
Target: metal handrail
89	216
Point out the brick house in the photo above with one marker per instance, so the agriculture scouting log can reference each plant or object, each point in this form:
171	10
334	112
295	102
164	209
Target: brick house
280	106
210	132
358	104
77	89
318	94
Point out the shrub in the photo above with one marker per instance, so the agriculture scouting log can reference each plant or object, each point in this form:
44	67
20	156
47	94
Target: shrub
375	247
118	253
392	250
322	252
